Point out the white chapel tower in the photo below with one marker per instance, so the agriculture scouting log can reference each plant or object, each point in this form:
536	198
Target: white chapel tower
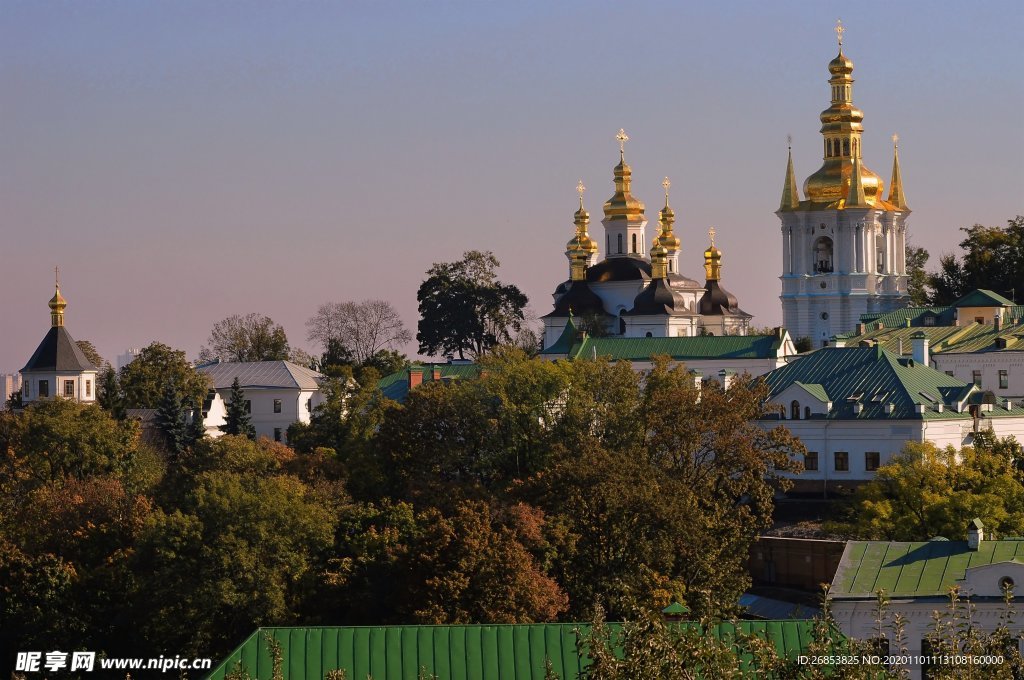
843	245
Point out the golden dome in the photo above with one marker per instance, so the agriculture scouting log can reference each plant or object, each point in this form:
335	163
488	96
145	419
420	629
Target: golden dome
57	307
581	241
712	259
840	65
666	218
831	183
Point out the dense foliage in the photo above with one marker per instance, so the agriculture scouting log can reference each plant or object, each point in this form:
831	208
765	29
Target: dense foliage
537	492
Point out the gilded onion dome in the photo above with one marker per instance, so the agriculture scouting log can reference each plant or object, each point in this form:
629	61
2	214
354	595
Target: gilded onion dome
666	218
580	247
623	205
57	306
841	126
713	260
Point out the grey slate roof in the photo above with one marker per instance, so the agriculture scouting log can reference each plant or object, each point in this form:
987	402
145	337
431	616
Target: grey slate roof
58	352
257	374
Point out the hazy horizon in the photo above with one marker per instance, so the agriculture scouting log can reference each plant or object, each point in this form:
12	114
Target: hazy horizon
183	162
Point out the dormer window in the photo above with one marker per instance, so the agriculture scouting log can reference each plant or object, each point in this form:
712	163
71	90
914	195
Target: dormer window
794	410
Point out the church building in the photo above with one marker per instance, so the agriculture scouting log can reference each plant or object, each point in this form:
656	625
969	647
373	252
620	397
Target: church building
843	243
635	292
58	368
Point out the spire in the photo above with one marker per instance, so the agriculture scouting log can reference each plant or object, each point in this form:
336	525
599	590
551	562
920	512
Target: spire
855	198
896	196
57	302
713	259
581	248
622	205
666	218
790	193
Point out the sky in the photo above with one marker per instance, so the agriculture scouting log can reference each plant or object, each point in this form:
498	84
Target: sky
185	161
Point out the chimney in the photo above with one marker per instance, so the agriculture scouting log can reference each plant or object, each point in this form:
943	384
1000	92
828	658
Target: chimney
415	376
1008	404
901	347
975	533
725	377
919	408
919	347
997	321
435	373
860	329
940	407
890	407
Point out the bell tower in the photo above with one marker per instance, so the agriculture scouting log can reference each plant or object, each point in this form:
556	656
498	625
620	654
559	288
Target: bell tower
843	245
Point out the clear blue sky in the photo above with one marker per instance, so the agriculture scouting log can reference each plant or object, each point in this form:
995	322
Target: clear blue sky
183	161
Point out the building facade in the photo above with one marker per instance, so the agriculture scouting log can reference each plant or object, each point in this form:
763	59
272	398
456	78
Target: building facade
843	244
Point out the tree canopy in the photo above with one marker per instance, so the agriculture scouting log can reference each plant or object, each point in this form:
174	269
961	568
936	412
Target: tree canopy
465	309
361	330
141	382
253	337
992	258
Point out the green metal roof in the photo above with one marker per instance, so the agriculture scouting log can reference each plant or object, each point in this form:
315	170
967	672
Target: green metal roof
679	348
873	377
396	385
923	569
983	298
565	341
471	652
974	337
815	390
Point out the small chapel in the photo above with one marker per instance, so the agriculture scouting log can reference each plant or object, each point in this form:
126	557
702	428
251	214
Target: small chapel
636	292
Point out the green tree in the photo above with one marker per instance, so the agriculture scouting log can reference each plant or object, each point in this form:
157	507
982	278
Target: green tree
917	277
252	337
465	309
89	350
170	421
237	420
109	395
992	258
926	492
195	431
142	381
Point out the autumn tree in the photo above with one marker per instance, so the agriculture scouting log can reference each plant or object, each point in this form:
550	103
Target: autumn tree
253	337
465	309
142	381
362	330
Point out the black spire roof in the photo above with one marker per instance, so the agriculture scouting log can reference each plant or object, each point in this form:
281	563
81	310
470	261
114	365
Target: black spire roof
657	298
717	301
578	299
58	352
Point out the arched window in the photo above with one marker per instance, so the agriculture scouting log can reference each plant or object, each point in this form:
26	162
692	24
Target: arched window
829	144
823	255
794	410
670	266
649	334
846	147
620	242
634	243
807	411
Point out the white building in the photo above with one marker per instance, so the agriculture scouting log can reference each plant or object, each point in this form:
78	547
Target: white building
917	578
278	393
58	368
855	407
843	245
635	293
10	383
128	357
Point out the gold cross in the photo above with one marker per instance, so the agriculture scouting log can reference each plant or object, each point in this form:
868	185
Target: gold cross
839	32
711	233
895	139
666	183
789	141
623	138
56	275
579	190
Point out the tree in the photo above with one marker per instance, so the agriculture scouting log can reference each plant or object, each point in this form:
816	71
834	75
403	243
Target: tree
252	337
917	277
195	432
926	492
993	258
89	350
363	329
237	421
170	421
142	381
109	394
465	309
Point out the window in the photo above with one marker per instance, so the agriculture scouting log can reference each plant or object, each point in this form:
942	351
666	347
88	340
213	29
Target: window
634	244
979	319
309	405
929	321
949	373
24	389
811	461
88	388
1004	379
277	406
842	461
846	147
871	461
619	239
69	388
277	434
248	405
44	388
807	411
823	255
976	377
670	266
794	410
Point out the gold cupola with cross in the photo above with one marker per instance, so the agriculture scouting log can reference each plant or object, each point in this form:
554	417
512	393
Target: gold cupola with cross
581	250
624	219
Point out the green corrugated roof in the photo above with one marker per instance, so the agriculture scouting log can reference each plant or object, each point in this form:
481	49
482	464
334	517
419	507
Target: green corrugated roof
472	652
914	315
680	348
565	341
974	337
815	390
396	385
924	569
873	377
983	298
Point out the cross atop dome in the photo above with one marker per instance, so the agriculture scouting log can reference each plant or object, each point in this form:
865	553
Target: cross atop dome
839	29
623	138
